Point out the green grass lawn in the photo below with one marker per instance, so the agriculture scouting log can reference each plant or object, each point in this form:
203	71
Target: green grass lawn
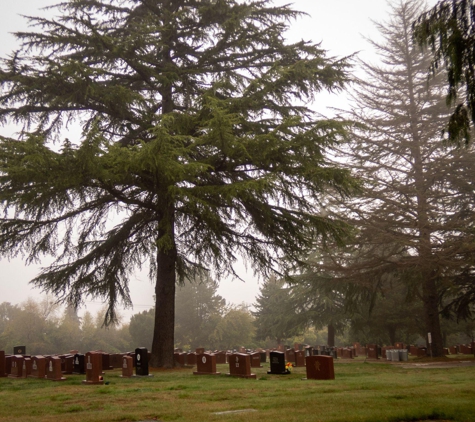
361	392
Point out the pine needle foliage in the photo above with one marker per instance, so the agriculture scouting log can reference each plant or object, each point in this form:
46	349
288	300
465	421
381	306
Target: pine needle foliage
196	146
448	31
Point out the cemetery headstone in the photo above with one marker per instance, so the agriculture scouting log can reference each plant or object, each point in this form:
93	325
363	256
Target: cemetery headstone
347	353
106	365
141	362
38	367
199	350
206	365
372	351
19	350
53	369
421	352
8	364
320	367
180	358
255	360
277	363
67	364
263	356
299	358
240	365
26	367
220	357
191	359
3	369
290	355
79	366
16	366
93	362
127	366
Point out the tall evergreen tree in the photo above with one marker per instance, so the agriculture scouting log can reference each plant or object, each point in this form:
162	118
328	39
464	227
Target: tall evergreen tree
448	30
195	146
198	310
415	217
275	316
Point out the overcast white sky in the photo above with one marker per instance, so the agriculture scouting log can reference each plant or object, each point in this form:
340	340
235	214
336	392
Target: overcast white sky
340	25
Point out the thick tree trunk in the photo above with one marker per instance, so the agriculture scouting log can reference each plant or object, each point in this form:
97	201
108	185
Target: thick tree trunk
331	335
392	335
164	330
432	319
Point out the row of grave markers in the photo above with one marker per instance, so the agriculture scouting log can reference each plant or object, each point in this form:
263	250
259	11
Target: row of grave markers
53	368
318	367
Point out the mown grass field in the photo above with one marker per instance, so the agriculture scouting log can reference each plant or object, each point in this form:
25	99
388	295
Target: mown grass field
361	392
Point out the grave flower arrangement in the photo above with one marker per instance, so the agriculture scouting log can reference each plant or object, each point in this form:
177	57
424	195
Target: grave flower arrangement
288	367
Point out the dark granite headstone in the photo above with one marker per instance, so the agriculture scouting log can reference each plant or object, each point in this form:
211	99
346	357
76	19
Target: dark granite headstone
277	364
141	362
19	350
79	366
3	369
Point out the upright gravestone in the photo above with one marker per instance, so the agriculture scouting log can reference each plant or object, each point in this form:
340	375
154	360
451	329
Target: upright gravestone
3	365
79	366
199	350
26	367
93	361
191	359
127	366
179	358
67	364
141	362
320	368
38	367
277	363
255	360
372	351
53	369
206	365
299	358
240	365
8	364
106	365
17	367
220	357
290	355
19	350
